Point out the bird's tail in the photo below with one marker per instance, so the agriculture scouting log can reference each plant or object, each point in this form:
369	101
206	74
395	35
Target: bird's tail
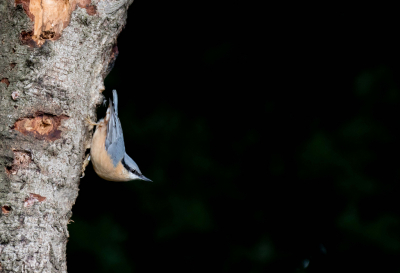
112	106
115	104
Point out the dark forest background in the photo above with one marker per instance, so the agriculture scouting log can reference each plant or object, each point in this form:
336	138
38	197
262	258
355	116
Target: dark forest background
271	135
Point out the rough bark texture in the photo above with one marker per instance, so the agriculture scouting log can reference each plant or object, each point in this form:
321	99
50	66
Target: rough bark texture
47	88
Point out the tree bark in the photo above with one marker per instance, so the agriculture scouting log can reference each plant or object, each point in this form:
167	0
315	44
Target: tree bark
54	56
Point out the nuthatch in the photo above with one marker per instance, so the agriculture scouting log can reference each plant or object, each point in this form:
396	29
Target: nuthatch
107	151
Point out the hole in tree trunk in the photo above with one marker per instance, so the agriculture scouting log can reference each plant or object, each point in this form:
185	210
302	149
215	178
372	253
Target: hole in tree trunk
5	209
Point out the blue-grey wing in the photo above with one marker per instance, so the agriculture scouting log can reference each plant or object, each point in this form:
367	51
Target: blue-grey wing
115	145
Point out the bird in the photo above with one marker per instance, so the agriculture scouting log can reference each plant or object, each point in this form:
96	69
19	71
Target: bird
107	151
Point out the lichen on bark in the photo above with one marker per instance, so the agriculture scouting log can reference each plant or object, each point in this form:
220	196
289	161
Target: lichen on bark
47	88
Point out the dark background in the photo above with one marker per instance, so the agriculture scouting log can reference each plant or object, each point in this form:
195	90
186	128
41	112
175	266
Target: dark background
271	135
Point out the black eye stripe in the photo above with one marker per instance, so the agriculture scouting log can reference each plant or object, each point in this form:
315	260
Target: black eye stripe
128	168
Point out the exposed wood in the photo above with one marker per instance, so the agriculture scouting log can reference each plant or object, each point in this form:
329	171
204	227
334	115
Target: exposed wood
50	17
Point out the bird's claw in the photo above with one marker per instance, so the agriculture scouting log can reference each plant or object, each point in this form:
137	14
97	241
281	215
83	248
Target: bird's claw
84	165
89	121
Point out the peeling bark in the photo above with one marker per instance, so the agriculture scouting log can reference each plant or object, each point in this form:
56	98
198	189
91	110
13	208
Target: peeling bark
42	126
54	56
50	17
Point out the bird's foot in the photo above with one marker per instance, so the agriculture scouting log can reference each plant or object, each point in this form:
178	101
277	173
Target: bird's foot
84	165
90	122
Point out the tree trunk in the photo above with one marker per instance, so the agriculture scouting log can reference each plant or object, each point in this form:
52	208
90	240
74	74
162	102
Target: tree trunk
54	56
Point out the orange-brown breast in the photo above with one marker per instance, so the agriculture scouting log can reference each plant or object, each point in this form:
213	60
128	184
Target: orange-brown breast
102	162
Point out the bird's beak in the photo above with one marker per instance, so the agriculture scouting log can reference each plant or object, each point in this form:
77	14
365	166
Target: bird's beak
144	178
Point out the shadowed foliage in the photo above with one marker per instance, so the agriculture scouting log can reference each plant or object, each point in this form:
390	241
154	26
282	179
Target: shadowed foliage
272	145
